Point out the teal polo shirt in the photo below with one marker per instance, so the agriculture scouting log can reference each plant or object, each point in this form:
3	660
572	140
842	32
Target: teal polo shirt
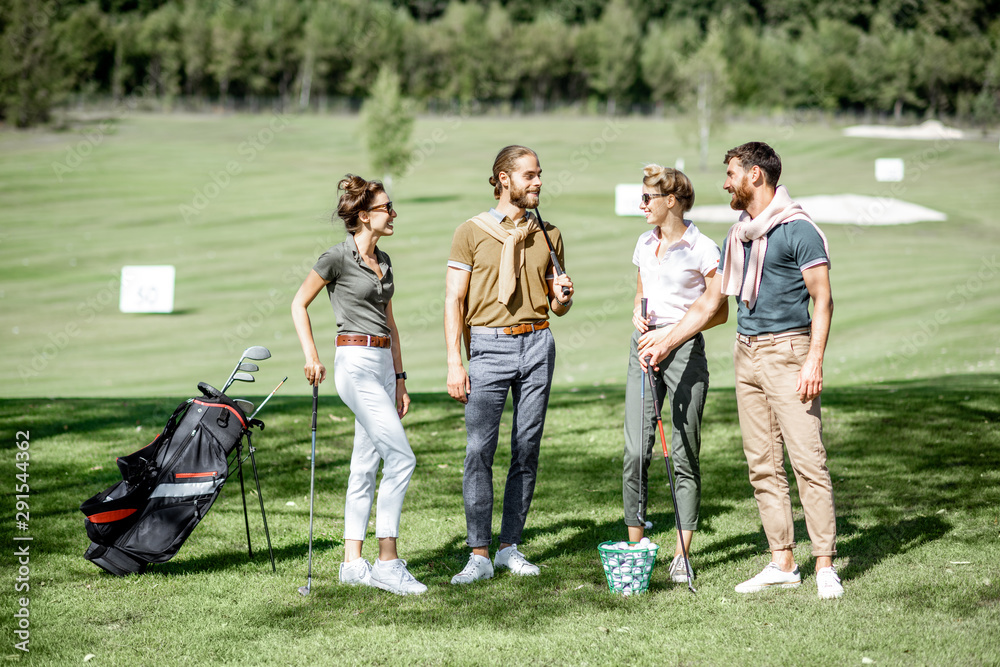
783	299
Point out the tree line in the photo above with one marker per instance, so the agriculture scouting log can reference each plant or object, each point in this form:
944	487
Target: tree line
893	57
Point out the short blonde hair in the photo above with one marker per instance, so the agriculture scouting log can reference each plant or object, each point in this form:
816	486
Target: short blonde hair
669	181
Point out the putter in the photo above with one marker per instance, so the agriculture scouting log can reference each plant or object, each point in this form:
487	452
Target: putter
552	251
255	352
670	481
304	590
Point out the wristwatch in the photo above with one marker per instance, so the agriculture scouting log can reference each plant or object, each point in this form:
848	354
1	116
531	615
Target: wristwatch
401	376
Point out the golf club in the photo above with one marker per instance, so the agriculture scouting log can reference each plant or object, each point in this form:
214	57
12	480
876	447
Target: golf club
245	405
304	590
268	398
242	377
673	491
552	251
248	367
642	413
255	352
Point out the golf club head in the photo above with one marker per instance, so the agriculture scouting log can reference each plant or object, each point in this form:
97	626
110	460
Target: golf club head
257	353
304	590
248	367
245	405
243	377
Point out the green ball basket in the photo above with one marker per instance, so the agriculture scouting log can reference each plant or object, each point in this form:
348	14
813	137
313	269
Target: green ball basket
627	570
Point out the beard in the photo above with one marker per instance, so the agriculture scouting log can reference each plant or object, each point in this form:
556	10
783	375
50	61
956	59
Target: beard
742	195
521	198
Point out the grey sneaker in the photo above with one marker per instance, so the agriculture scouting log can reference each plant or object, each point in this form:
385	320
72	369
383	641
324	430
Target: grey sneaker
678	571
356	572
393	576
515	561
828	584
478	567
771	576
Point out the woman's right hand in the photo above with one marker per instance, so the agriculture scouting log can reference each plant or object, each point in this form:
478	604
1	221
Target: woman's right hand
638	321
315	372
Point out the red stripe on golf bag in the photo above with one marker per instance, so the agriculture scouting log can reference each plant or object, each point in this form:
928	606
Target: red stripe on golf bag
113	515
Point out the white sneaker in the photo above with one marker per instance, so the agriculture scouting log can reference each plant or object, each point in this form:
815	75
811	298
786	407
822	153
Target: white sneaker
356	572
678	571
828	584
393	576
771	576
478	567
515	561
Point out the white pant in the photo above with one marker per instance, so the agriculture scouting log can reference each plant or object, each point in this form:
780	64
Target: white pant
366	382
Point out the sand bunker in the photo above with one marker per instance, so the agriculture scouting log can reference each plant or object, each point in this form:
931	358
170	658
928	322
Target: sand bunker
928	131
839	210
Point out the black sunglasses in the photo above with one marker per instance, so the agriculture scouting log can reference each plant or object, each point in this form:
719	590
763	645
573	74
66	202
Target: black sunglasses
646	197
387	206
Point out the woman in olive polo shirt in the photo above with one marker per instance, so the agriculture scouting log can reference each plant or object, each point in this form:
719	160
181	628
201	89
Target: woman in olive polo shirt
368	373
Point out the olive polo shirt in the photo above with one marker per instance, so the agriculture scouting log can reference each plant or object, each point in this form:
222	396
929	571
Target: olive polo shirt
475	251
357	295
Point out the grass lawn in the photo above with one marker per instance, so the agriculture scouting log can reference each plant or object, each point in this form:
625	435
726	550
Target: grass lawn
910	413
915	466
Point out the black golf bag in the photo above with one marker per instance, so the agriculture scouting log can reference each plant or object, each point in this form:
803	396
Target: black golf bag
169	485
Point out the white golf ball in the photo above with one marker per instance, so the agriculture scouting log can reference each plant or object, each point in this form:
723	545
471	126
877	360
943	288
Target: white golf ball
644	542
649	525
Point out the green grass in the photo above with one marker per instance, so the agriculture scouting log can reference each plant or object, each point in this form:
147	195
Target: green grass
910	412
915	466
63	243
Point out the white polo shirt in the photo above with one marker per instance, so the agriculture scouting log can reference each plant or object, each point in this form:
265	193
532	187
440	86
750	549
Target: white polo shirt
674	282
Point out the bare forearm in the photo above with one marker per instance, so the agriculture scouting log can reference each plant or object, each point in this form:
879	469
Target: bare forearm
820	328
454	328
303	328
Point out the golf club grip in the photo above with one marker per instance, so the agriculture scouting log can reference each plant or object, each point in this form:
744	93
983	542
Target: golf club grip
315	405
559	271
552	250
643	302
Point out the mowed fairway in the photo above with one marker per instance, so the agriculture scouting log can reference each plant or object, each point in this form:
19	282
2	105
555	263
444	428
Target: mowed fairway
241	206
910	413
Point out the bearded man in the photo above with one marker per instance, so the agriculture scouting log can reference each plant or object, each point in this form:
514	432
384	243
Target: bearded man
500	286
774	261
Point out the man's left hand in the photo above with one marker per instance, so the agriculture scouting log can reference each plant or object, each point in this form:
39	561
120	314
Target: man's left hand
810	382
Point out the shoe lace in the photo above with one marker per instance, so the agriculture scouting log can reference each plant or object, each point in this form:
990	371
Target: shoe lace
399	567
470	567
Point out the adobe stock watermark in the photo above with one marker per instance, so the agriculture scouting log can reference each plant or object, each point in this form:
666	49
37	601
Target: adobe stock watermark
47	349
248	151
583	157
958	298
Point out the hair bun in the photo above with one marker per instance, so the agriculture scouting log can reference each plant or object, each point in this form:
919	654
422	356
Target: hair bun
653	170
352	184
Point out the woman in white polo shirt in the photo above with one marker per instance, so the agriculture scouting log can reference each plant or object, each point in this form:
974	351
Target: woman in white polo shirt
368	373
676	263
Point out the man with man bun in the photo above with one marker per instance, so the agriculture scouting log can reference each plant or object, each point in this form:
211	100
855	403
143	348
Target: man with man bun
500	286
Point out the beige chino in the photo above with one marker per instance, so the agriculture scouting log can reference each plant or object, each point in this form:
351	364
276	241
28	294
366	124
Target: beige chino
772	417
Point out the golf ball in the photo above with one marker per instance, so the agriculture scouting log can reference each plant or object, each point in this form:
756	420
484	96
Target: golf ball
644	542
649	525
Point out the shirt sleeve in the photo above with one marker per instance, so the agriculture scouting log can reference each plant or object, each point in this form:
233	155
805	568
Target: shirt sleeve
328	266
711	259
806	245
461	255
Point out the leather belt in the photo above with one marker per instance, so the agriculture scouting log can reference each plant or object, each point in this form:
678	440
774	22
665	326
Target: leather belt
771	337
514	330
365	340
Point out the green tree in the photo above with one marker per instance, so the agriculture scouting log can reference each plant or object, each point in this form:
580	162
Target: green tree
707	89
662	59
31	82
388	126
610	52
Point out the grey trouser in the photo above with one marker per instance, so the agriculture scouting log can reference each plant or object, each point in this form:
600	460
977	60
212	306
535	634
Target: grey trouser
523	366
683	379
